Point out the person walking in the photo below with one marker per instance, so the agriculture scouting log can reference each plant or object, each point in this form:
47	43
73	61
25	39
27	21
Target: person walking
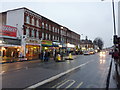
41	56
54	54
46	55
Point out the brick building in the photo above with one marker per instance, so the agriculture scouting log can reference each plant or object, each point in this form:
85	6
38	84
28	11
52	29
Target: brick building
36	31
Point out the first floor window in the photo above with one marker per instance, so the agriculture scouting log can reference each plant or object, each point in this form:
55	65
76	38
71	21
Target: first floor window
53	37
32	33
43	35
46	35
49	37
37	34
27	32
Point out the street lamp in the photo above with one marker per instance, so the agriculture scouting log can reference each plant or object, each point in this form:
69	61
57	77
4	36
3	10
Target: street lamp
115	42
62	42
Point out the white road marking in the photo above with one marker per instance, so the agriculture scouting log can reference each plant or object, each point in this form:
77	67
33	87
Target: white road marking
2	72
58	83
79	85
56	76
62	84
73	81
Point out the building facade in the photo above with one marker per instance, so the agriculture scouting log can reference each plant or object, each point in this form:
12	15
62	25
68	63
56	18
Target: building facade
37	32
86	45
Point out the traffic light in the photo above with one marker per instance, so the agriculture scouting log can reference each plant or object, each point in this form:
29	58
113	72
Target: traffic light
115	39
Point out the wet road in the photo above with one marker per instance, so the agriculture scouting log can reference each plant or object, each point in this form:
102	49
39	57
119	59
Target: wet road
92	75
24	74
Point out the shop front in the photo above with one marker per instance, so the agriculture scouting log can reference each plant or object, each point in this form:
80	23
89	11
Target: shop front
71	48
32	49
46	45
10	45
10	53
9	49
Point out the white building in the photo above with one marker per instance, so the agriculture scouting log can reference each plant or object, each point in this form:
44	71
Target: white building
28	26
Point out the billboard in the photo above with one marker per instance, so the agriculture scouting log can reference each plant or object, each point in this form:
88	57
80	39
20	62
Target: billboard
10	31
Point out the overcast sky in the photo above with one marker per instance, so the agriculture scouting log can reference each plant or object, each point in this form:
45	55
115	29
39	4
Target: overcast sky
92	19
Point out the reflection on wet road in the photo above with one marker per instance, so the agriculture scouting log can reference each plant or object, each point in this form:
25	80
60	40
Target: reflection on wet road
91	72
92	75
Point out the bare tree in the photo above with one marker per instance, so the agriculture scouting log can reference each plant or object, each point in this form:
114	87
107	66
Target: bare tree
99	42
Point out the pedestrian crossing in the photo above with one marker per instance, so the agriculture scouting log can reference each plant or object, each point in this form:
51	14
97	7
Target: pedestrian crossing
68	84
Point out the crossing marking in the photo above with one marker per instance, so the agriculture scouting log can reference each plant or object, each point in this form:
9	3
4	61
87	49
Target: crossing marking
58	83
62	84
56	76
71	84
78	86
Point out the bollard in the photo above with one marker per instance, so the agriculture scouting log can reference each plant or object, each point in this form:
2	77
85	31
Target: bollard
59	57
70	56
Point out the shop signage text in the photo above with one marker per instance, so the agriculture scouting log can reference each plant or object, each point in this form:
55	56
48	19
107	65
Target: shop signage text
6	30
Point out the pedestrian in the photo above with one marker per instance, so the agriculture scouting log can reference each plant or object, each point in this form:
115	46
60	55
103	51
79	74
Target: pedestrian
115	56
46	55
54	54
42	55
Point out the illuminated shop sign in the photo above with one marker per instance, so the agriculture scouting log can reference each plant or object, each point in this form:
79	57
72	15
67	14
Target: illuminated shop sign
6	30
46	42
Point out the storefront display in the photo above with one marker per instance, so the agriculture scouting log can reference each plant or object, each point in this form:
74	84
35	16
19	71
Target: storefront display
10	44
32	51
10	53
32	48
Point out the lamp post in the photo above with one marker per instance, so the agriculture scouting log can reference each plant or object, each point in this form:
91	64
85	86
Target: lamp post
114	23
115	42
62	42
41	44
114	17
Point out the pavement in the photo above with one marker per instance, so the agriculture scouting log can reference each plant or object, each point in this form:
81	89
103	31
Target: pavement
13	60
